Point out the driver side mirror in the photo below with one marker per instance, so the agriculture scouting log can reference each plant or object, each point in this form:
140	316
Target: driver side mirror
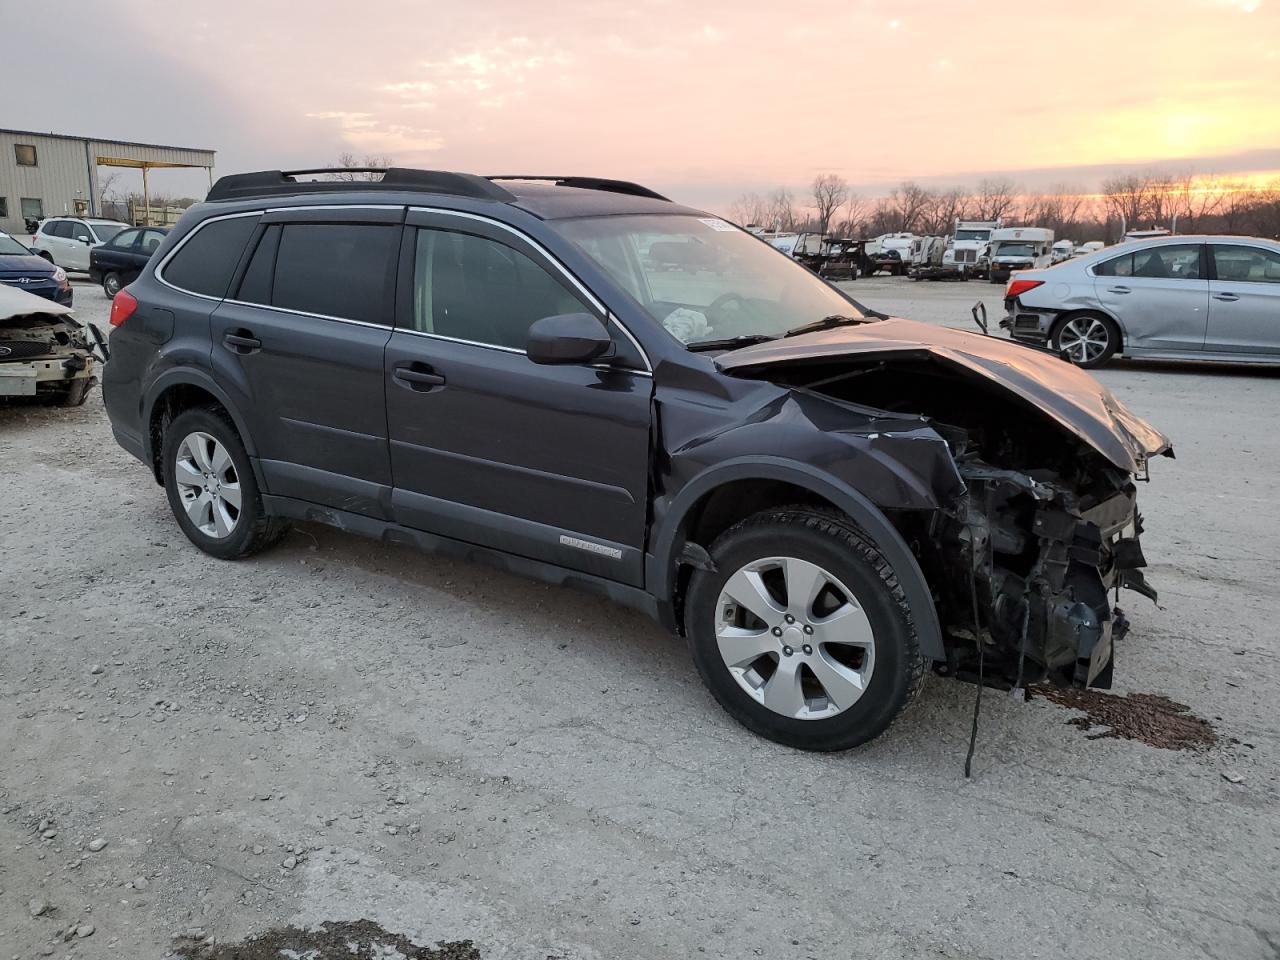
569	338
83	239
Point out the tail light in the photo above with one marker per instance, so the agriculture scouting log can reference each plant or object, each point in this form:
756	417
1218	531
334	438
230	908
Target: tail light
1015	288
122	307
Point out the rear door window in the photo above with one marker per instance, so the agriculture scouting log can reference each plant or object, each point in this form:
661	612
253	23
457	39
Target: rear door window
344	270
1177	262
205	261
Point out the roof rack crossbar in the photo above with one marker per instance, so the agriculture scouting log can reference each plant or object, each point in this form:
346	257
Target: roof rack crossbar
269	183
592	183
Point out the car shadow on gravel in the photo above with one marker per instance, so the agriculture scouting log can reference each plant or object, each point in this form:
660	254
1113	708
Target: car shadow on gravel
348	940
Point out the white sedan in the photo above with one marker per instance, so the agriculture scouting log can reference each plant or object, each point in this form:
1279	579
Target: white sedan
1183	298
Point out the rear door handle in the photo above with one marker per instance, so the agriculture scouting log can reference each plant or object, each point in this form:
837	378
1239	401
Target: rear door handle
1118	290
1226	297
241	341
418	376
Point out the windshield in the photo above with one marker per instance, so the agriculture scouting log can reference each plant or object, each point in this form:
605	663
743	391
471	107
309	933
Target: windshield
106	231
10	247
704	279
973	234
1015	250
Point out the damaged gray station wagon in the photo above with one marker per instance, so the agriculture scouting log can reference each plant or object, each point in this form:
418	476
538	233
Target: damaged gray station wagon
579	380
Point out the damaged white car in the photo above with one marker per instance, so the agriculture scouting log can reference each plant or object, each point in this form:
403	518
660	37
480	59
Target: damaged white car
45	352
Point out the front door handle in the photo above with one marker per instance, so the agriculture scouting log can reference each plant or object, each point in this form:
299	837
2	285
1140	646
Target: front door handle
1226	297
1118	290
241	341
418	376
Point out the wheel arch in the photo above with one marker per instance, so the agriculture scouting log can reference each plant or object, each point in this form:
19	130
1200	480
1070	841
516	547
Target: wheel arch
686	515
1066	315
182	389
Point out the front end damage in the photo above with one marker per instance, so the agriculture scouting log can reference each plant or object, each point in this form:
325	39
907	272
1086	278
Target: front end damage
1037	528
45	352
1045	554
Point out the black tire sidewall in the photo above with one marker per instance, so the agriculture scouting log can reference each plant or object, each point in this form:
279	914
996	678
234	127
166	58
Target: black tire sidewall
896	652
107	290
1113	338
238	544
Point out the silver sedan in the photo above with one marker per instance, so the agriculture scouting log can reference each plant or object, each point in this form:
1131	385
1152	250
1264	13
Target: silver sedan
1183	298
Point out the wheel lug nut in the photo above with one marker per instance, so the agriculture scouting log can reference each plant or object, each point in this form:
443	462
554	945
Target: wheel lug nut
777	632
807	650
787	651
808	629
790	618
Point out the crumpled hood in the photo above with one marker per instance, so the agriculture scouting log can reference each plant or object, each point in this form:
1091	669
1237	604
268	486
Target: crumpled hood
1067	394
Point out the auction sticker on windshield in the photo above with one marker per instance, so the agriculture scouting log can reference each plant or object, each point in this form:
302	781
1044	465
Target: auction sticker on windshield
721	225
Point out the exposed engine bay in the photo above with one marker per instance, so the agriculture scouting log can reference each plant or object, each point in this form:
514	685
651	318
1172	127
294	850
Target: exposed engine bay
1027	555
45	351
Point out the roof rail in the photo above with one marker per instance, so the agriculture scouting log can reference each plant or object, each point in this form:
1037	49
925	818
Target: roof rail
270	183
594	183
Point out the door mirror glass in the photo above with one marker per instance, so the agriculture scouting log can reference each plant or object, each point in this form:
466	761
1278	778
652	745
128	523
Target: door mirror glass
83	239
569	338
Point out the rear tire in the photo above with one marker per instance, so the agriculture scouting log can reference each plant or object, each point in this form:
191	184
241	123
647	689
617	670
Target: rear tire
203	461
854	659
111	285
1086	339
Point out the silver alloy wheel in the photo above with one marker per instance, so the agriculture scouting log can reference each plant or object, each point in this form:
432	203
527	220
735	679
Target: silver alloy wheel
1084	339
794	638
208	485
111	285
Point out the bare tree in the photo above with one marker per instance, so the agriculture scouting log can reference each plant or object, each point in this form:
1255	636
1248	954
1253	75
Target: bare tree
108	186
1128	198
853	217
349	160
905	205
782	210
996	199
830	191
1264	210
1196	200
750	210
943	208
1061	209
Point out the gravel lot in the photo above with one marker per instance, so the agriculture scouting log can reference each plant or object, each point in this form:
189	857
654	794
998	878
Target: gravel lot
340	730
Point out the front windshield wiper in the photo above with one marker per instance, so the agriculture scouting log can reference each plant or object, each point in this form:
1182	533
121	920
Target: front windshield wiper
826	323
728	343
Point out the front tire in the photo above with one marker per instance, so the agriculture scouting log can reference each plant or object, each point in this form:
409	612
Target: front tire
803	633
212	489
1086	339
111	285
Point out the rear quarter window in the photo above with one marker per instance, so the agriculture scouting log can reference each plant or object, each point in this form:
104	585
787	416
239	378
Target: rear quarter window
205	262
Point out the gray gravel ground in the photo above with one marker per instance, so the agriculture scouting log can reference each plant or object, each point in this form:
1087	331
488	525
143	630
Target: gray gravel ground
340	729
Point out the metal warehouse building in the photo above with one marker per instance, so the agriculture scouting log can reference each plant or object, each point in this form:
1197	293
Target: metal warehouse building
49	174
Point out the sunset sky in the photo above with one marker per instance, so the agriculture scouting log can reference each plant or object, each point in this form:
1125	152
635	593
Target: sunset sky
701	100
